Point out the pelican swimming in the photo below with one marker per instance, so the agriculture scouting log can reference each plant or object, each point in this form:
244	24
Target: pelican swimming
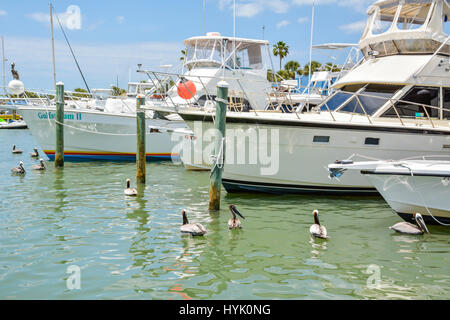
130	191
234	222
34	154
316	229
195	229
19	170
16	151
40	166
409	228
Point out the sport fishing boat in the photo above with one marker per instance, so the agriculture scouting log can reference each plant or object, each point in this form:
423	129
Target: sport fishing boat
408	186
395	104
209	59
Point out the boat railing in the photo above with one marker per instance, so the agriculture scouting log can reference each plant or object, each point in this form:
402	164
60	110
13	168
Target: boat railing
170	83
355	98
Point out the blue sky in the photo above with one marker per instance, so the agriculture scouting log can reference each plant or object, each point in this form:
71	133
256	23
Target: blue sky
116	35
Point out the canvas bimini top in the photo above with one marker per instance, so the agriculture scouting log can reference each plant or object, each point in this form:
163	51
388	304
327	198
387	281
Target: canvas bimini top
215	50
405	27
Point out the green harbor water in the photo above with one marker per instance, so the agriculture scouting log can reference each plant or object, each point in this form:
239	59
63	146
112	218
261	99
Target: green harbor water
131	248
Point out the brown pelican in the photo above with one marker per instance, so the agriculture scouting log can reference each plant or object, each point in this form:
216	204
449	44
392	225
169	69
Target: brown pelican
195	229
19	170
316	229
40	166
234	222
130	191
409	228
16	151
34	154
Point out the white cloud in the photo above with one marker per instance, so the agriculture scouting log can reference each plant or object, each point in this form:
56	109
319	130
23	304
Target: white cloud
71	19
248	9
302	19
354	27
283	23
358	5
120	19
3	13
99	63
251	8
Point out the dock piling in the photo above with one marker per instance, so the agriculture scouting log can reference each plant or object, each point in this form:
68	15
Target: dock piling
219	147
59	152
140	138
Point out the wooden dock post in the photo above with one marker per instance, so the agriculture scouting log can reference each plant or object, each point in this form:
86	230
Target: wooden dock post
219	148
140	138
59	152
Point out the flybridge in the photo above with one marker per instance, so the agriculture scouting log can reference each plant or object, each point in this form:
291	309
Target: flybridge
406	27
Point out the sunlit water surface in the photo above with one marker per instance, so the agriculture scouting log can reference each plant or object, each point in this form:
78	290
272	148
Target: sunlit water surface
131	248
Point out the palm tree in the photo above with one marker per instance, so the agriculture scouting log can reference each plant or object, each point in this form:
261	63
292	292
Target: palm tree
314	66
280	49
183	55
292	67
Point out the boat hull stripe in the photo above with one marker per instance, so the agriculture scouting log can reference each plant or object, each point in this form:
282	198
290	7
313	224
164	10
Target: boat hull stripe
246	186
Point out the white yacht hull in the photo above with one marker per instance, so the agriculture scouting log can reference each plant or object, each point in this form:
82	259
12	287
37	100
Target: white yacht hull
94	135
408	194
299	165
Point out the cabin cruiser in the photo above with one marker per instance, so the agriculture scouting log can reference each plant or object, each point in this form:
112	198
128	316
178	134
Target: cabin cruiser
395	104
408	186
241	62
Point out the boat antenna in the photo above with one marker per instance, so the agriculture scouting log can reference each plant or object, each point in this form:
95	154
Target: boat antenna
310	46
204	17
73	55
234	34
3	68
263	27
53	47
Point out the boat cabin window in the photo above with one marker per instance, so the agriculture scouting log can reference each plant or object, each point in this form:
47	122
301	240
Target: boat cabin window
248	56
369	99
206	53
446	111
340	97
416	104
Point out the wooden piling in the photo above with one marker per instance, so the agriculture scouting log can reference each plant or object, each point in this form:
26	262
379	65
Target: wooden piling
59	152
219	147
140	139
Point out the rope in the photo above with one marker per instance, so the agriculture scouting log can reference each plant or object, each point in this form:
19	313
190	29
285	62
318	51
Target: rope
95	132
421	198
219	158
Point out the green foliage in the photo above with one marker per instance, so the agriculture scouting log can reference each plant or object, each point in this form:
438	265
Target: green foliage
183	55
83	93
280	49
116	91
314	67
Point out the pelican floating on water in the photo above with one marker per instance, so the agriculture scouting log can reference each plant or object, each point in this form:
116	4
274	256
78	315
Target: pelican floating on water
409	228
40	166
130	191
19	170
234	222
195	229
16	151
35	153
316	229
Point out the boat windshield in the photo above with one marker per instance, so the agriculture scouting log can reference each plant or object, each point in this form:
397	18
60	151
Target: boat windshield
204	52
361	98
218	52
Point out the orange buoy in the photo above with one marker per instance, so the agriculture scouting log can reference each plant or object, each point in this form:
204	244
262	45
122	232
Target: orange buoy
186	89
